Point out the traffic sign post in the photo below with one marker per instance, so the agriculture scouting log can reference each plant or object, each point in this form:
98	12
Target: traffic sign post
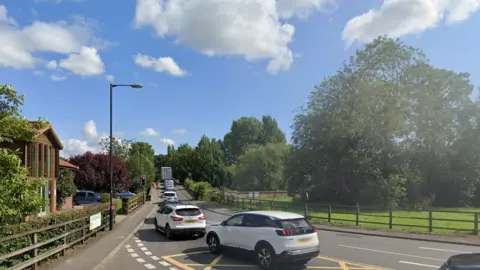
143	184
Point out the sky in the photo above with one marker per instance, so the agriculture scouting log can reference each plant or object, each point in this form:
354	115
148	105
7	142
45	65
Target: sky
203	63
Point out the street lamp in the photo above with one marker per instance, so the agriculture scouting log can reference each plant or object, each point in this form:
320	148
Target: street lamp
111	146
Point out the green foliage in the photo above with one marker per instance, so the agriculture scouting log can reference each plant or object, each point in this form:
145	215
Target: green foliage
20	196
39	223
65	186
121	148
105	198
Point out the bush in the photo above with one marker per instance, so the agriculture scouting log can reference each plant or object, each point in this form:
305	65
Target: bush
105	198
65	186
42	222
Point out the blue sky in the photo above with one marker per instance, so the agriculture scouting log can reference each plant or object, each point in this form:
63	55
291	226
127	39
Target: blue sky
201	65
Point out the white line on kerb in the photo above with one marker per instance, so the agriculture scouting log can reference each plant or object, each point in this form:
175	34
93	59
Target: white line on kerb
392	253
419	264
444	250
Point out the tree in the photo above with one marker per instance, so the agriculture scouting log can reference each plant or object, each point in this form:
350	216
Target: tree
121	147
381	130
94	172
20	195
141	161
209	163
65	186
261	168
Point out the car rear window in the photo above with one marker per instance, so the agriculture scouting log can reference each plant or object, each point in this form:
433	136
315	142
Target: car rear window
169	194
188	212
297	226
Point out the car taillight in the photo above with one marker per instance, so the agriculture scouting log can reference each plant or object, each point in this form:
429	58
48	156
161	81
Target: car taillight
174	218
314	229
201	217
284	232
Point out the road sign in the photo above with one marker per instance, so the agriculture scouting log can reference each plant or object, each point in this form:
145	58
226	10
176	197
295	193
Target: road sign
95	221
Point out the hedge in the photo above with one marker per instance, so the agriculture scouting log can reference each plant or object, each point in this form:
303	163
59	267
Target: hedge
202	189
17	243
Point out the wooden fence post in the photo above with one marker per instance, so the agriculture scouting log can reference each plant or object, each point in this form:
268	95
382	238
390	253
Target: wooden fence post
430	221
34	251
390	219
357	220
329	213
475	225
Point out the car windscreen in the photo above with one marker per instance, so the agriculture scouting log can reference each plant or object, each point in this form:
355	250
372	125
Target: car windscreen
188	212
297	225
169	194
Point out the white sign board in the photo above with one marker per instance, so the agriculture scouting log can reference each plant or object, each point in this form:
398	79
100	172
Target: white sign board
95	221
166	173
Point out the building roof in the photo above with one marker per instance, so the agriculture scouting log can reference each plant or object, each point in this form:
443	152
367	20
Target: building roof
52	131
66	164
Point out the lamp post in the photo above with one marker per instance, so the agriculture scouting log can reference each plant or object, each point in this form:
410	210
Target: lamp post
111	146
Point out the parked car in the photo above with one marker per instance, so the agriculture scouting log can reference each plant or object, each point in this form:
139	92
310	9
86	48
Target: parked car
273	236
470	261
85	197
175	219
126	194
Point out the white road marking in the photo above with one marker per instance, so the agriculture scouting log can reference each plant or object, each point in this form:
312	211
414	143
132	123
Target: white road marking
140	244
138	241
174	268
128	246
144	248
155	258
140	260
148	253
149	266
444	250
164	263
130	250
134	255
392	253
419	264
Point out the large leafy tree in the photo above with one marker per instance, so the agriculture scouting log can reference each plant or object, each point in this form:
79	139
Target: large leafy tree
261	168
94	172
121	147
209	161
141	161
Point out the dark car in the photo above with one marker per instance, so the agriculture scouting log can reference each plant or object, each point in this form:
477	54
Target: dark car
469	261
86	197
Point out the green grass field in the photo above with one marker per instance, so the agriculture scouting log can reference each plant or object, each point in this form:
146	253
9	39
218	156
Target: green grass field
444	220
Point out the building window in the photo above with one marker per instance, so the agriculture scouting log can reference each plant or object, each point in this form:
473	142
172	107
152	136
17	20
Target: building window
40	160
46	159
52	162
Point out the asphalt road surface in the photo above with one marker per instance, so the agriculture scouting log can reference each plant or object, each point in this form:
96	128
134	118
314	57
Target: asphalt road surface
149	249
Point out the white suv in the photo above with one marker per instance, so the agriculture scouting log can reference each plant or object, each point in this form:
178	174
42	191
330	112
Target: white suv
274	236
170	196
173	219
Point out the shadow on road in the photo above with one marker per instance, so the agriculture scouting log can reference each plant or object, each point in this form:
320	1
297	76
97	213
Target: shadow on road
152	235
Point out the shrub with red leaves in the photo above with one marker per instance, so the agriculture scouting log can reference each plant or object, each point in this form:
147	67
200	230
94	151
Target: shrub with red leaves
94	172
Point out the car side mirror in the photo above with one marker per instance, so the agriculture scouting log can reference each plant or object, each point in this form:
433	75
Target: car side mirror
223	223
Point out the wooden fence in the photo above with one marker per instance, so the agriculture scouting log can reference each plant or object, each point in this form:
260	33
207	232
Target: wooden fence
131	204
405	219
43	243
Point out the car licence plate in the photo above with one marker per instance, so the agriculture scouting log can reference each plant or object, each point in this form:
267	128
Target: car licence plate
190	221
305	240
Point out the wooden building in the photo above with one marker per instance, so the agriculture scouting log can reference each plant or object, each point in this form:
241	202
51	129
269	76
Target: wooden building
42	159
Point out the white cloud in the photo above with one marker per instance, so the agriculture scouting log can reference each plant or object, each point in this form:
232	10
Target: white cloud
110	78
247	28
52	64
161	64
398	18
58	78
19	46
38	72
90	130
180	131
86	63
74	147
167	141
149	132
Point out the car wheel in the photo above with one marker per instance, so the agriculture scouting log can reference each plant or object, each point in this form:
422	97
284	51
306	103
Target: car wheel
265	256
214	244
168	232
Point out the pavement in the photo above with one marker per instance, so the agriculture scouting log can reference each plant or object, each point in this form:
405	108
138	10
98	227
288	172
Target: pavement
98	249
149	249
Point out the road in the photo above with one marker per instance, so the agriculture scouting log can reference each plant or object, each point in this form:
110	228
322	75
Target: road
151	250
